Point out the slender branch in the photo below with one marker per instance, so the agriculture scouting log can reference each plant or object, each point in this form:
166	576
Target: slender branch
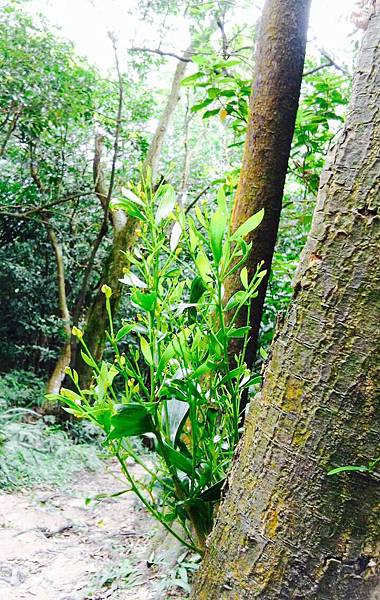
98	173
34	171
220	24
161	53
37	209
11	129
193	203
329	64
118	120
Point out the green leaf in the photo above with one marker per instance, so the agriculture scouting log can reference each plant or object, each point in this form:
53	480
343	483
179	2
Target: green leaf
218	226
263	353
123	332
360	468
132	196
249	225
188	81
167	355
200	217
244	277
222	201
144	300
129	207
238	298
66	393
213	493
201	105
203	266
202	370
131	419
147	353
197	289
88	359
239	332
211	113
196	292
178	460
166	202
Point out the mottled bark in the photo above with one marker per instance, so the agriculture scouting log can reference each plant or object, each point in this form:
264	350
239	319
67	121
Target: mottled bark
274	100
286	530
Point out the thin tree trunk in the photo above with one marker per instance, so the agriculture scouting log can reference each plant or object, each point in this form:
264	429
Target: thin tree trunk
124	238
58	374
155	147
182	195
286	529
274	100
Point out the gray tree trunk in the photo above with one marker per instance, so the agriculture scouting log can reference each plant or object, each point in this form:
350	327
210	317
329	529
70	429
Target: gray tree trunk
286	530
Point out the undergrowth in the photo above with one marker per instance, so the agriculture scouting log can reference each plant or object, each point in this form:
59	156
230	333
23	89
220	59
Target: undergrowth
34	450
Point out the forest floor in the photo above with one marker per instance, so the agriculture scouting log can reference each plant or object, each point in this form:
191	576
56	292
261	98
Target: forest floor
54	546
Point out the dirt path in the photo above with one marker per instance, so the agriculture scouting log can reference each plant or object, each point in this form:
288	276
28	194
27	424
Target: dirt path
55	547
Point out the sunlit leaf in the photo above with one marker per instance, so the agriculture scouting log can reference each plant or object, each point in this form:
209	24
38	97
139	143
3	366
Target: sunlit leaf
132	279
166	202
145	349
175	236
218	226
249	225
146	301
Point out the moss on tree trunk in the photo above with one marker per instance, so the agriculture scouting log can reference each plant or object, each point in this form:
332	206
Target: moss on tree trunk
286	530
274	100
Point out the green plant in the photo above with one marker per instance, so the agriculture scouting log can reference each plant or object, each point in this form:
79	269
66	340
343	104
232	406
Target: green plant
369	468
172	381
21	388
123	573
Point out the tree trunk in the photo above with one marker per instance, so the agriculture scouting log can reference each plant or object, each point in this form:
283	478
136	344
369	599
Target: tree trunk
155	147
274	100
124	236
58	374
123	239
286	530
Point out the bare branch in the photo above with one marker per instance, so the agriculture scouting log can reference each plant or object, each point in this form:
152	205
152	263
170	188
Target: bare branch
161	53
193	203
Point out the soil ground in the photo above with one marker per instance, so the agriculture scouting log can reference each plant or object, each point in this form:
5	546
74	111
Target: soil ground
54	546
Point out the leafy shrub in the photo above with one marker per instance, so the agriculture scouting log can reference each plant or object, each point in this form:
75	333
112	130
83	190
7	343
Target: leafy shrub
174	382
21	389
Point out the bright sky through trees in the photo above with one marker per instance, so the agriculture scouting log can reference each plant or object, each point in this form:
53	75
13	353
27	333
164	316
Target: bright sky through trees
86	22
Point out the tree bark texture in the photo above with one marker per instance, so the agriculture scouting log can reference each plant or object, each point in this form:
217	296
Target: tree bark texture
286	530
274	100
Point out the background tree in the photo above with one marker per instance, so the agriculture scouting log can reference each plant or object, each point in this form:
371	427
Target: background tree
276	88
286	528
